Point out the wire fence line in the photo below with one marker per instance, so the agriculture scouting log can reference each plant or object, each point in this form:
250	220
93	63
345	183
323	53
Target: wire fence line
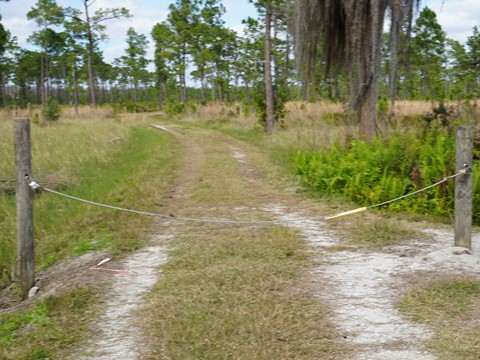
35	186
445	179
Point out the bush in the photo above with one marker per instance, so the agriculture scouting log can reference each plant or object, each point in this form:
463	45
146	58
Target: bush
179	108
442	115
52	110
175	108
136	107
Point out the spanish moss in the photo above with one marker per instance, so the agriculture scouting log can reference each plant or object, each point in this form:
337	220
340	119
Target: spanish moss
351	32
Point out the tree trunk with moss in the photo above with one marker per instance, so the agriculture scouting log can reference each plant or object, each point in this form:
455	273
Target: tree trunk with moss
351	32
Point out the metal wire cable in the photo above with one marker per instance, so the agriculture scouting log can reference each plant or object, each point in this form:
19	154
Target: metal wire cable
34	185
445	179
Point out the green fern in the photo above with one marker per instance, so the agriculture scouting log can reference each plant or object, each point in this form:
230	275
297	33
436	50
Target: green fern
370	173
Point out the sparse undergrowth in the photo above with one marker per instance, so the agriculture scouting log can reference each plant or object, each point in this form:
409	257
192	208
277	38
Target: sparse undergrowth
452	309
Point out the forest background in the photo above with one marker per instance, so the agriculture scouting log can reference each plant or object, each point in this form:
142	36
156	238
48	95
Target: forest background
196	57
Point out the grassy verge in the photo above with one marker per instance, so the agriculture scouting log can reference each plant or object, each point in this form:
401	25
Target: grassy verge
133	173
48	329
452	309
228	294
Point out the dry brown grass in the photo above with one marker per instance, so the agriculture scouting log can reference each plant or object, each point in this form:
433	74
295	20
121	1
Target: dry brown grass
410	108
68	113
312	110
63	144
236	115
451	307
307	126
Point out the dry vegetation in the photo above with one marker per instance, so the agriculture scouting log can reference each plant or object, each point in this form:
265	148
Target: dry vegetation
451	307
312	126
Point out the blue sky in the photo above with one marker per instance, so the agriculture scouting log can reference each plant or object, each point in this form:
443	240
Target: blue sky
146	13
457	17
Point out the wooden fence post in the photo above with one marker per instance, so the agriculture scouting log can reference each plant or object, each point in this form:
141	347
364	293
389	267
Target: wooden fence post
463	187
24	201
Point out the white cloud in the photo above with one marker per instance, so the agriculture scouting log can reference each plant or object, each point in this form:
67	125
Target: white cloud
457	17
14	19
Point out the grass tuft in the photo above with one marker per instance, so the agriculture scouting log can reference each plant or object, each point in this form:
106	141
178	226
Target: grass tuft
376	232
449	307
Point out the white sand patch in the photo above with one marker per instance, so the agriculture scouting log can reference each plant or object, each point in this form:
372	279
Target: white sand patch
362	286
117	334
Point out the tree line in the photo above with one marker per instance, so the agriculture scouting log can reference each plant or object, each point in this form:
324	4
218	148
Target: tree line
198	59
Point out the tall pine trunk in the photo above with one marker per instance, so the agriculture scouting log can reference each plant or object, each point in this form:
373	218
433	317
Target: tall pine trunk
270	120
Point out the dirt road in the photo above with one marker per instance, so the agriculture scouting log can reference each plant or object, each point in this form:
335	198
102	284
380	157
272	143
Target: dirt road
361	284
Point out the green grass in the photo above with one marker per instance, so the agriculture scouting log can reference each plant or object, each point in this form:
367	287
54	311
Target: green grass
452	309
228	293
40	331
133	174
229	290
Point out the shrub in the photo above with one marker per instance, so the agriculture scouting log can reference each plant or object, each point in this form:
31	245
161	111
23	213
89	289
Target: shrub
136	107
175	108
52	110
371	173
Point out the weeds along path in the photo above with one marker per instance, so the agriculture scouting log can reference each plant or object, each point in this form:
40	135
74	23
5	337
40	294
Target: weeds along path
354	288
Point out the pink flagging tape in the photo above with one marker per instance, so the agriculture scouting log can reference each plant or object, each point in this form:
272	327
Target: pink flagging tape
121	271
97	267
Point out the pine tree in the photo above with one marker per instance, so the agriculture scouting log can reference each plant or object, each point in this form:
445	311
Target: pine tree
47	14
473	59
428	52
134	63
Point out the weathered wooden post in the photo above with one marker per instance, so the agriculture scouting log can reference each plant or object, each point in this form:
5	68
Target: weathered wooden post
463	187
24	201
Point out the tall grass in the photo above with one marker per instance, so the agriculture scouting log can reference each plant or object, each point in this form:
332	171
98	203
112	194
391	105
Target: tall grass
84	162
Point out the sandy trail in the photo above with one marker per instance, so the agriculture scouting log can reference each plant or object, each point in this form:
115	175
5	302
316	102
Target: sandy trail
361	285
117	336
